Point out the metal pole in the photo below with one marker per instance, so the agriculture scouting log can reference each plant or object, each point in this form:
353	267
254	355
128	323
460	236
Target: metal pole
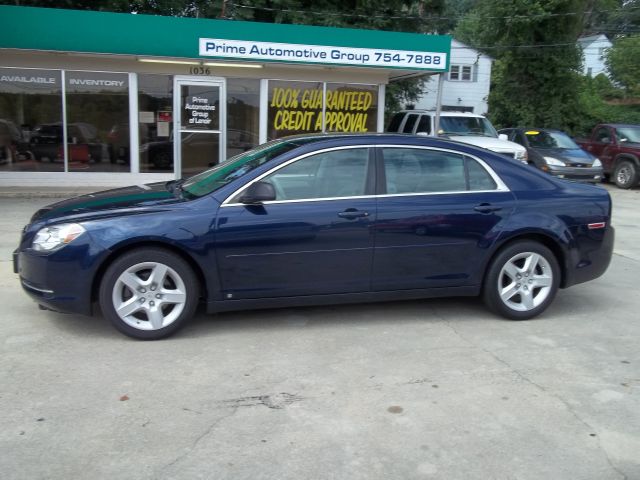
436	127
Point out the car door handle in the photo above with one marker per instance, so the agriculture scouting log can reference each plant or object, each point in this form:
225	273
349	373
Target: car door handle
486	208
352	213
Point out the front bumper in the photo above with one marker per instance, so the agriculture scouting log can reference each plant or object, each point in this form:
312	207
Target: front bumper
579	174
59	281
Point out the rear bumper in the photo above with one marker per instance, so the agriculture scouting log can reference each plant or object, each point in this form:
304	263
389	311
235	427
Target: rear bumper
594	259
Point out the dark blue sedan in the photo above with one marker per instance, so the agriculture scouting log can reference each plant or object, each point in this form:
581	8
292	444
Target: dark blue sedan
315	220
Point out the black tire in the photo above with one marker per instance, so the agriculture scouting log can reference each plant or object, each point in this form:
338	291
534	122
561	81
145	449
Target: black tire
625	174
497	280
143	265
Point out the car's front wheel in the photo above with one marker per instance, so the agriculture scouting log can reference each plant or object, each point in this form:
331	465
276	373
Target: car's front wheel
149	293
522	280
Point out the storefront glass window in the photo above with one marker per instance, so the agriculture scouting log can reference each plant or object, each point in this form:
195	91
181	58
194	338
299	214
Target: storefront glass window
30	120
97	121
155	122
351	108
294	107
243	115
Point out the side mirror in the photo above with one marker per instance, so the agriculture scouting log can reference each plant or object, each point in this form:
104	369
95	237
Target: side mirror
258	193
503	136
605	140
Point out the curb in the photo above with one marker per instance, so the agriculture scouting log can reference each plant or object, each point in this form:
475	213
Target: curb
46	193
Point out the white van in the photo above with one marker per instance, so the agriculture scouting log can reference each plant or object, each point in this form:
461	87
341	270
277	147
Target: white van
462	127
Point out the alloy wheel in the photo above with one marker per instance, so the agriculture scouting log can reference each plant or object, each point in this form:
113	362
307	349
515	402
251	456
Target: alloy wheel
525	281
149	296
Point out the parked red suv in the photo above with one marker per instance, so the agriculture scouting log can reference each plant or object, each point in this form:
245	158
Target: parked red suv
618	148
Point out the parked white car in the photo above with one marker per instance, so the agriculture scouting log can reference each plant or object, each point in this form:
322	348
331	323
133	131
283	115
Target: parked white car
462	127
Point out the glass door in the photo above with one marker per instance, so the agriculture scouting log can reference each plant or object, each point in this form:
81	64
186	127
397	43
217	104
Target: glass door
199	123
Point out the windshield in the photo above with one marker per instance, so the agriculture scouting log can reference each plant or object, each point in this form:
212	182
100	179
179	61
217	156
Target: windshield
218	176
539	139
629	134
466	126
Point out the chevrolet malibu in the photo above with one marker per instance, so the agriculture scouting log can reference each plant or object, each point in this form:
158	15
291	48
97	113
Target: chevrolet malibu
314	220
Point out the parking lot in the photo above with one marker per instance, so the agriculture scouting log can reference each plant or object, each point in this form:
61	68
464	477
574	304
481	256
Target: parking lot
404	390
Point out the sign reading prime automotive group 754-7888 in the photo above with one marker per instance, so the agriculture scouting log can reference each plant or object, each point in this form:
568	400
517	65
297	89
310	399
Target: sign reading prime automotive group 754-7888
291	52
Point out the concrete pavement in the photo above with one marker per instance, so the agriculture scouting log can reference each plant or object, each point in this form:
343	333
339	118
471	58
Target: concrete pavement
406	390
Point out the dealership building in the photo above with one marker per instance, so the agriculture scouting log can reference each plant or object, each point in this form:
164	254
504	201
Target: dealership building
106	99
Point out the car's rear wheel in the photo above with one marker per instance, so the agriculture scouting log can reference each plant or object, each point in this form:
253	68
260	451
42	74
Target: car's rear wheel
522	280
149	293
625	174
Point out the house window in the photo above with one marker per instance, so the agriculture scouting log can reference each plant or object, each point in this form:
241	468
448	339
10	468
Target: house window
461	73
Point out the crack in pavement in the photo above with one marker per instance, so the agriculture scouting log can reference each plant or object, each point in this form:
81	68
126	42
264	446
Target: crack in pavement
194	444
544	390
625	257
276	402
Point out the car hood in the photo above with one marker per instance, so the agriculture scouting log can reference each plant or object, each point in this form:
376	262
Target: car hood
115	200
490	143
567	155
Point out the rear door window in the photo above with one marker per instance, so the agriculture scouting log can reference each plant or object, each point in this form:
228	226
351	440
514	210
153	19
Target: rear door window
413	171
603	135
424	125
394	124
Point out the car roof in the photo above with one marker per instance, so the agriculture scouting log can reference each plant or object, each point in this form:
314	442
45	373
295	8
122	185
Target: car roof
618	125
535	129
371	136
445	114
337	139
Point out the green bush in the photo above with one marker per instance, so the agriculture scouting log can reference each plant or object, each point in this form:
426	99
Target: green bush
595	109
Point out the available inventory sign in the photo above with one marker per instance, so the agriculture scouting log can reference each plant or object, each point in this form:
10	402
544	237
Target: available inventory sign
292	52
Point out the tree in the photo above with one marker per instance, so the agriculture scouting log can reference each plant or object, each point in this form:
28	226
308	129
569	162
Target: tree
612	17
537	58
417	16
622	60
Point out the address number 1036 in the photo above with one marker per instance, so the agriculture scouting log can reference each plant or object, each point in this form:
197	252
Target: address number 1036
199	70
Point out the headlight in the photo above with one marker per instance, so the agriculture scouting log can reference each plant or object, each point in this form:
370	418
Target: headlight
596	163
554	161
56	236
521	155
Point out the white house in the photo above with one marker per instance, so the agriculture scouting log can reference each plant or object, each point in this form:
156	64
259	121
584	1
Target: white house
466	86
593	50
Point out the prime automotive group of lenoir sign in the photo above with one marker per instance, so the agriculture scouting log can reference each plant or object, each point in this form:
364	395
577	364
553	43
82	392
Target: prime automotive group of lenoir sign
285	52
168	97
